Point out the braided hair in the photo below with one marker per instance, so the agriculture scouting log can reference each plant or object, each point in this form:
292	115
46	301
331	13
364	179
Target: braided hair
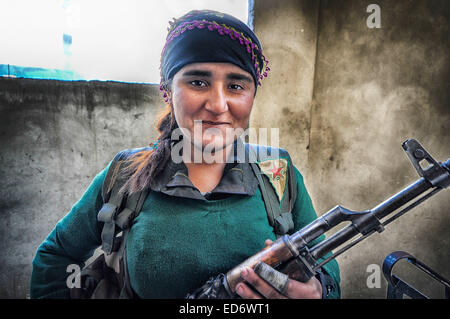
141	168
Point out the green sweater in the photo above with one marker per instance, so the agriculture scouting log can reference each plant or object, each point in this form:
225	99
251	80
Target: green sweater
175	243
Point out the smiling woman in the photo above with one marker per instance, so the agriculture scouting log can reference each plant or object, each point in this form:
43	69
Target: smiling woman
211	104
183	222
212	95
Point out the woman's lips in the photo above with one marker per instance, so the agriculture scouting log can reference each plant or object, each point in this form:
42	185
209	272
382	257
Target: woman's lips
214	123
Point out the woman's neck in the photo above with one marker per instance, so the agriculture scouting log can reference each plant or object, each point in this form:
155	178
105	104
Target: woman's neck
206	176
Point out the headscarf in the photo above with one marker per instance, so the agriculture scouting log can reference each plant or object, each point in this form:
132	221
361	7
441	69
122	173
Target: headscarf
211	36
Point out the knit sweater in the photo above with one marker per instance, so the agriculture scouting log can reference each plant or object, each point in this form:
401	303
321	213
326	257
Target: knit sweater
174	245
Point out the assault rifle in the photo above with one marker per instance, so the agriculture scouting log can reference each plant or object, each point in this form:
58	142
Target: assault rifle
291	254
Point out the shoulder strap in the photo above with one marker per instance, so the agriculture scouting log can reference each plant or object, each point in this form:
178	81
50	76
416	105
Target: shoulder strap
117	214
124	221
278	213
118	210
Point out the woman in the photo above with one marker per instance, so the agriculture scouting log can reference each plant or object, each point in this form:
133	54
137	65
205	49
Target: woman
200	218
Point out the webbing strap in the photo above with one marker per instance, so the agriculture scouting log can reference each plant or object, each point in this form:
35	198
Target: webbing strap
133	205
123	220
131	211
107	215
281	222
113	201
292	184
271	207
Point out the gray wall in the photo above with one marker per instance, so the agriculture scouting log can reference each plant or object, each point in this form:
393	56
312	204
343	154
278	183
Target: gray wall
343	96
55	136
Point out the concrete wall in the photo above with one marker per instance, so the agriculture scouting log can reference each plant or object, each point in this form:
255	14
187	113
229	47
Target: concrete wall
374	88
343	96
55	136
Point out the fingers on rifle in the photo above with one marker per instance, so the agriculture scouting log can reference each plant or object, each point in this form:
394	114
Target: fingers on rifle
246	292
310	290
288	287
261	285
268	242
274	278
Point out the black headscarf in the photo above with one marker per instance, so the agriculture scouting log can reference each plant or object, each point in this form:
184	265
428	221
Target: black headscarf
211	36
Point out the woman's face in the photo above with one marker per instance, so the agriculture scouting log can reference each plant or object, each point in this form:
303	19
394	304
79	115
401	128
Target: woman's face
212	102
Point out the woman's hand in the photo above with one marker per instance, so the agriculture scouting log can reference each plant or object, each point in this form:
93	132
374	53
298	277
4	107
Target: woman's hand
311	289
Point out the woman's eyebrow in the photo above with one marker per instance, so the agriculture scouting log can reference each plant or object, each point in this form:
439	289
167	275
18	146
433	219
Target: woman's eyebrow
229	76
239	76
197	73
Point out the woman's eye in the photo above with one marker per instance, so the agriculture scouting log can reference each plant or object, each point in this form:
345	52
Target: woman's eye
198	83
236	87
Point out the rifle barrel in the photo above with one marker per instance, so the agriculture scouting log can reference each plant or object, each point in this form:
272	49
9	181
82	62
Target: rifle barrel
382	210
401	198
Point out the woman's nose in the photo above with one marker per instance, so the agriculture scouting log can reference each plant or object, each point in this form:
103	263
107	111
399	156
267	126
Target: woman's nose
217	100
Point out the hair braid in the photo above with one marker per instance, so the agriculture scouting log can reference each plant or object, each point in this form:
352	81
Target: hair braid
145	165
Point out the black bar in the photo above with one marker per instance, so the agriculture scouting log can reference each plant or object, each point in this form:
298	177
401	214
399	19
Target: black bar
314	229
326	246
401	198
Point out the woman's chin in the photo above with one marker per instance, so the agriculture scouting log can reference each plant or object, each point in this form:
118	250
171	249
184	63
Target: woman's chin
211	151
212	146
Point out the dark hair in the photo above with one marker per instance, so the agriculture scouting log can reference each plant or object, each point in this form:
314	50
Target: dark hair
145	165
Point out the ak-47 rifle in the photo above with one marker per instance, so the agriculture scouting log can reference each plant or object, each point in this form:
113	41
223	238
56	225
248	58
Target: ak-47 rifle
291	255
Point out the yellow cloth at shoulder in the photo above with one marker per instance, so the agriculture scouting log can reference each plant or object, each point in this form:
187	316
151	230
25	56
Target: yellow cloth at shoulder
276	170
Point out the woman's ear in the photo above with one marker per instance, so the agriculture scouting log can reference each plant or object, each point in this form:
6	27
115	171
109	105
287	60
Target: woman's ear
166	88
169	97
